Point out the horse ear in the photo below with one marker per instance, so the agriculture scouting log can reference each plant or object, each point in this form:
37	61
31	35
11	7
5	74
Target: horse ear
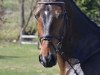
38	9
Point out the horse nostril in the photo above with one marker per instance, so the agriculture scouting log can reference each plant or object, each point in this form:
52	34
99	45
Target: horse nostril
42	59
47	61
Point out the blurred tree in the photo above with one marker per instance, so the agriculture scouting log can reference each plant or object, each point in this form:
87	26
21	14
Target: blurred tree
22	15
91	8
1	4
24	22
1	11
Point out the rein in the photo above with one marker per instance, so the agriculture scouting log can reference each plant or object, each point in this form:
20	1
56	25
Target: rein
58	47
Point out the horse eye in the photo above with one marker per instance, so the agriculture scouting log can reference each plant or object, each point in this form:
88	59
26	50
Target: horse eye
60	15
37	16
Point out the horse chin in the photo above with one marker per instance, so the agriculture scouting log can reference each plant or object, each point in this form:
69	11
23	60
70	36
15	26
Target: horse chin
49	64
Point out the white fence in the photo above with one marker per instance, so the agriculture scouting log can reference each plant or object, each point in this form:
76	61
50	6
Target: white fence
31	39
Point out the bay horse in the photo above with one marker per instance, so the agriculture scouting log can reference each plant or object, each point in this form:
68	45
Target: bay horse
67	36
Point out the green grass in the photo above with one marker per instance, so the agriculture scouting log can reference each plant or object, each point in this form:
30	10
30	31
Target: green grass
22	60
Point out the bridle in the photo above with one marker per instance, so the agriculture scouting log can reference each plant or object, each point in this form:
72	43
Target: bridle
59	38
51	3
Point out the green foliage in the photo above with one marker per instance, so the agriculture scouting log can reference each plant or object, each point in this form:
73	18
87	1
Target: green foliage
10	5
91	8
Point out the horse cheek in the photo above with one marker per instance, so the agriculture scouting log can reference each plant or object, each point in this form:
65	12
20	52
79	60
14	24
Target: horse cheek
40	27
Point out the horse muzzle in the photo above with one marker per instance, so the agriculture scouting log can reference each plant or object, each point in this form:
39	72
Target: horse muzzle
48	61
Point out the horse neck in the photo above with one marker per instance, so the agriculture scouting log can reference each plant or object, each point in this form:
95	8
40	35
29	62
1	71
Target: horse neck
74	13
79	25
78	29
77	19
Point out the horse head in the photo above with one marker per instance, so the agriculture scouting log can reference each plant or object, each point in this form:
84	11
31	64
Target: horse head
51	16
